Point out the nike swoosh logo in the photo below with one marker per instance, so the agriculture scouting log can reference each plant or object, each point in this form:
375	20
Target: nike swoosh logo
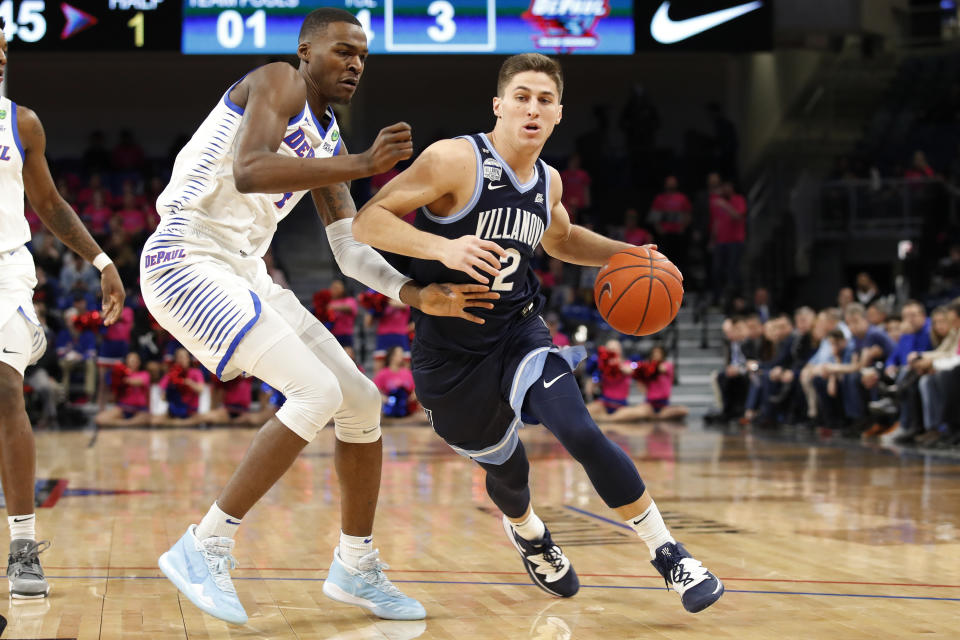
639	520
717	588
491	187
23	519
229	521
370	429
5	350
667	31
547	385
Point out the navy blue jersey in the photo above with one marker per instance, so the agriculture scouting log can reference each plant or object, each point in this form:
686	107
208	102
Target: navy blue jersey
502	210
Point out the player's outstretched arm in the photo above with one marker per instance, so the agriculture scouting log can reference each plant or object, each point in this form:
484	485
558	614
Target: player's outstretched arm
57	215
270	96
444	174
359	261
572	243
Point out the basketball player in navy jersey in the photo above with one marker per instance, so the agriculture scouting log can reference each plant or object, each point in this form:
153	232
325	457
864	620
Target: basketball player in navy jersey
23	169
478	382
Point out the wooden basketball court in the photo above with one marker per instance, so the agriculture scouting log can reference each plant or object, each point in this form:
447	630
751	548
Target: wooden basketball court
811	541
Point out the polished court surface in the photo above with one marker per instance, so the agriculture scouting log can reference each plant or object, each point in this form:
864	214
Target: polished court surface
811	540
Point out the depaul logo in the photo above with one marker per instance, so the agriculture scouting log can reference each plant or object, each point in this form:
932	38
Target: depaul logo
566	24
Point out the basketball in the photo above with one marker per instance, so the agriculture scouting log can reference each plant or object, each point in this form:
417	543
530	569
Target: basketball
638	291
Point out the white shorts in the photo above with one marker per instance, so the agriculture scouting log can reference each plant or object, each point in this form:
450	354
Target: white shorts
22	339
209	299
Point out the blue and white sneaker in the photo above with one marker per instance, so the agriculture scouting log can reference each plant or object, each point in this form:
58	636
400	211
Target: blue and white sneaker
200	569
698	588
369	588
545	563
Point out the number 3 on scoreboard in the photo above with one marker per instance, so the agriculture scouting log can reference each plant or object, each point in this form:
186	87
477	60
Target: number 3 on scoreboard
445	28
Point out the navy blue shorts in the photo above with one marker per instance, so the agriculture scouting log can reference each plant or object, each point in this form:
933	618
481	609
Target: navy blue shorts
112	352
386	341
473	401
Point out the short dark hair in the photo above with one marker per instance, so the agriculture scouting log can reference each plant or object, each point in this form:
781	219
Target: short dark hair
837	335
318	19
529	62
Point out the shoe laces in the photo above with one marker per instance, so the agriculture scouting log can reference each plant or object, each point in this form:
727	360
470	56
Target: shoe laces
554	556
371	571
216	552
28	564
683	573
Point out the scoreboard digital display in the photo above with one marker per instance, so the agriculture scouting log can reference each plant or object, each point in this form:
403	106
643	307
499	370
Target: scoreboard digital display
272	26
418	26
92	25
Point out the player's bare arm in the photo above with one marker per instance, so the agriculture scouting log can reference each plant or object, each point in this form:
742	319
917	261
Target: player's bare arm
570	242
443	179
270	96
335	203
57	215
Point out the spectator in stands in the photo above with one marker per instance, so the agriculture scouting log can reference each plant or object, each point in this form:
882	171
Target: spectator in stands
128	155
844	297
727	144
867	290
632	231
931	382
114	346
761	303
134	222
946	275
830	406
94	185
827	321
182	386
728	224
783	400
920	169
612	373
576	187
731	383
393	329
343	310
125	255
131	387
877	313
77	348
78	275
231	404
47	254
395	382
96	215
46	291
670	216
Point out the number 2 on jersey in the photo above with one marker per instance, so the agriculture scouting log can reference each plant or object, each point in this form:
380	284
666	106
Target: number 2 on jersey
513	263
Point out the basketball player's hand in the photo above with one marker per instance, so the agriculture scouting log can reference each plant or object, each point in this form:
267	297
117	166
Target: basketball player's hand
472	255
113	294
393	144
453	299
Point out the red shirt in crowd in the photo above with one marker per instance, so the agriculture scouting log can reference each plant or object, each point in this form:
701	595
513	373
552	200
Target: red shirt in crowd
388	380
394	320
343	320
236	393
727	228
575	185
97	218
136	395
122	328
672	210
134	221
190	397
638	236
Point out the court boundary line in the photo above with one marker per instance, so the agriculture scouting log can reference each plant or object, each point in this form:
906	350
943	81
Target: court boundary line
530	584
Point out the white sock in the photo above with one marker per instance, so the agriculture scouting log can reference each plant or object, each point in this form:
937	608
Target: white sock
531	529
352	548
217	523
650	527
23	527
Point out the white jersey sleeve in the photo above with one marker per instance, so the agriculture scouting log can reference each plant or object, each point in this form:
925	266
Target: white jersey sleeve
202	191
14	230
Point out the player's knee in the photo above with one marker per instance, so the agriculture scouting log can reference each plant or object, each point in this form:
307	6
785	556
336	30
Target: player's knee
358	419
310	404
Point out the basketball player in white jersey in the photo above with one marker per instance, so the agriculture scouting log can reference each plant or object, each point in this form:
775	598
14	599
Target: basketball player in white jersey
272	137
23	168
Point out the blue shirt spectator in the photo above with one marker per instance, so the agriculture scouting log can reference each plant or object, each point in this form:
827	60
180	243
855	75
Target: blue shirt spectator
918	341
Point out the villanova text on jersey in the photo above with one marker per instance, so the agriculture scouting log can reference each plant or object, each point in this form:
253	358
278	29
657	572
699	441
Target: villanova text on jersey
505	211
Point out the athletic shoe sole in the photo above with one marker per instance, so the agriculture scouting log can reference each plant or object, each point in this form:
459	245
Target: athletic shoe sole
185	588
335	592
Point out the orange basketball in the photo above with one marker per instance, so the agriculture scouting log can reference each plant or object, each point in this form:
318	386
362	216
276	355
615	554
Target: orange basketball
639	291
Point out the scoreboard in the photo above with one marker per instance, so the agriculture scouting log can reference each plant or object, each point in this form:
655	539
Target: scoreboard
272	26
418	26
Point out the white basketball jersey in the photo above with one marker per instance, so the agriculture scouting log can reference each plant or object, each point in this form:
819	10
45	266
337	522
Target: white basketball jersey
203	193
14	230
